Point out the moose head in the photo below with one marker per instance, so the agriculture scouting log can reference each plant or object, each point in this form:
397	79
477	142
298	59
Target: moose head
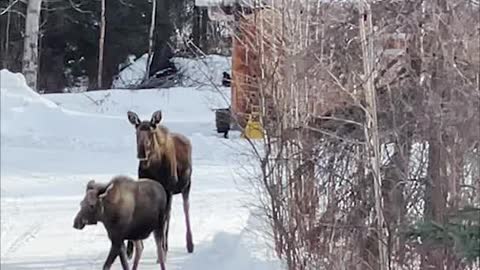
145	132
91	205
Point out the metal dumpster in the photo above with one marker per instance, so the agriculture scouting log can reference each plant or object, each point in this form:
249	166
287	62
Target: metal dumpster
222	121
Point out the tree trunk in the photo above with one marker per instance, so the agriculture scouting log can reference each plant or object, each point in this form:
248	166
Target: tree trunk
150	39
162	52
435	196
204	31
7	38
101	46
196	26
436	188
371	129
30	44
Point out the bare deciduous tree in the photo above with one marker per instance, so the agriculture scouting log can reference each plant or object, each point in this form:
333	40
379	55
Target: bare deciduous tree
150	38
371	125
30	45
101	45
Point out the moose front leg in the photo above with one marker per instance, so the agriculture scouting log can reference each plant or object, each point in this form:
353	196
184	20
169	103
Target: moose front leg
166	226
117	249
123	256
173	181
112	255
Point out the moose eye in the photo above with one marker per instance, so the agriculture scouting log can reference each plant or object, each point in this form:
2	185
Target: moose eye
92	206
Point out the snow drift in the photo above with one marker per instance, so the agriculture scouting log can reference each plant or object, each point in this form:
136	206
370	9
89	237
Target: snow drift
196	72
133	73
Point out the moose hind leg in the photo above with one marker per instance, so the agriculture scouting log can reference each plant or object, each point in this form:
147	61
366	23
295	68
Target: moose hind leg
123	256
186	210
138	253
159	239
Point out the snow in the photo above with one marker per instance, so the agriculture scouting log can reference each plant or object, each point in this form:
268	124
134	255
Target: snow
203	70
133	73
51	145
197	72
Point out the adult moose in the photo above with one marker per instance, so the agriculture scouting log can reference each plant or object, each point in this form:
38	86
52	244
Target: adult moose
129	210
167	158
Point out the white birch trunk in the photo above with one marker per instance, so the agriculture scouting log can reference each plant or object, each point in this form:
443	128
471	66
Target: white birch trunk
30	43
101	46
150	39
7	33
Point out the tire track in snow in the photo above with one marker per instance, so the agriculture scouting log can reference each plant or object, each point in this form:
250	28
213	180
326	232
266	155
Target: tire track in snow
11	207
25	237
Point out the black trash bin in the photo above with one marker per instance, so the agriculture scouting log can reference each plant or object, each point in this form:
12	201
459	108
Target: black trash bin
222	121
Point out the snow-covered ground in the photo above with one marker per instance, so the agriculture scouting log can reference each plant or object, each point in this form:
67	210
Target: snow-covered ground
200	72
51	145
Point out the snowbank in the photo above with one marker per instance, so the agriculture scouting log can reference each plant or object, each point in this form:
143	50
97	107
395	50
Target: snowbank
236	251
179	104
29	119
203	71
16	94
18	101
70	126
133	73
199	71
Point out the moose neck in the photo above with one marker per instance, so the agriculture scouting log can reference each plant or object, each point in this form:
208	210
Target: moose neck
151	163
154	169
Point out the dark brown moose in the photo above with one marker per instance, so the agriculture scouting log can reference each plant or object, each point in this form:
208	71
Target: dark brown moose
166	157
129	210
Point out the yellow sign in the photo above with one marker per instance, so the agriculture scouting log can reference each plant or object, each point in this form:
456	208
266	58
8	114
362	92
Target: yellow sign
253	129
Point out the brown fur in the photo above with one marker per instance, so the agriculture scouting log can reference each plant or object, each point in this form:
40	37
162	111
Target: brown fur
168	160
165	157
168	148
129	210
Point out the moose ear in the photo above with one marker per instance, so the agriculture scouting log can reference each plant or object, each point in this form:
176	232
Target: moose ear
91	184
156	118
133	118
106	192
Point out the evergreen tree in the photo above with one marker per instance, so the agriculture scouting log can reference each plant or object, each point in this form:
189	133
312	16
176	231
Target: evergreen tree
461	231
70	32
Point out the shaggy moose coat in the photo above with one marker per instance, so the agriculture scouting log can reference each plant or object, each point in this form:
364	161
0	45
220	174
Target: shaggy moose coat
167	158
129	210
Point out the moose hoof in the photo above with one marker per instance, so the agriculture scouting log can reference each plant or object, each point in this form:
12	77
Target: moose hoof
164	258
190	247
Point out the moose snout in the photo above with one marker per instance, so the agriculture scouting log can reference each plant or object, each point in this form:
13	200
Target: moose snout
79	223
141	154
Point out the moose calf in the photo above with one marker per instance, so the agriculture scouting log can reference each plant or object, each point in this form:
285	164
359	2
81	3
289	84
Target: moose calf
129	210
